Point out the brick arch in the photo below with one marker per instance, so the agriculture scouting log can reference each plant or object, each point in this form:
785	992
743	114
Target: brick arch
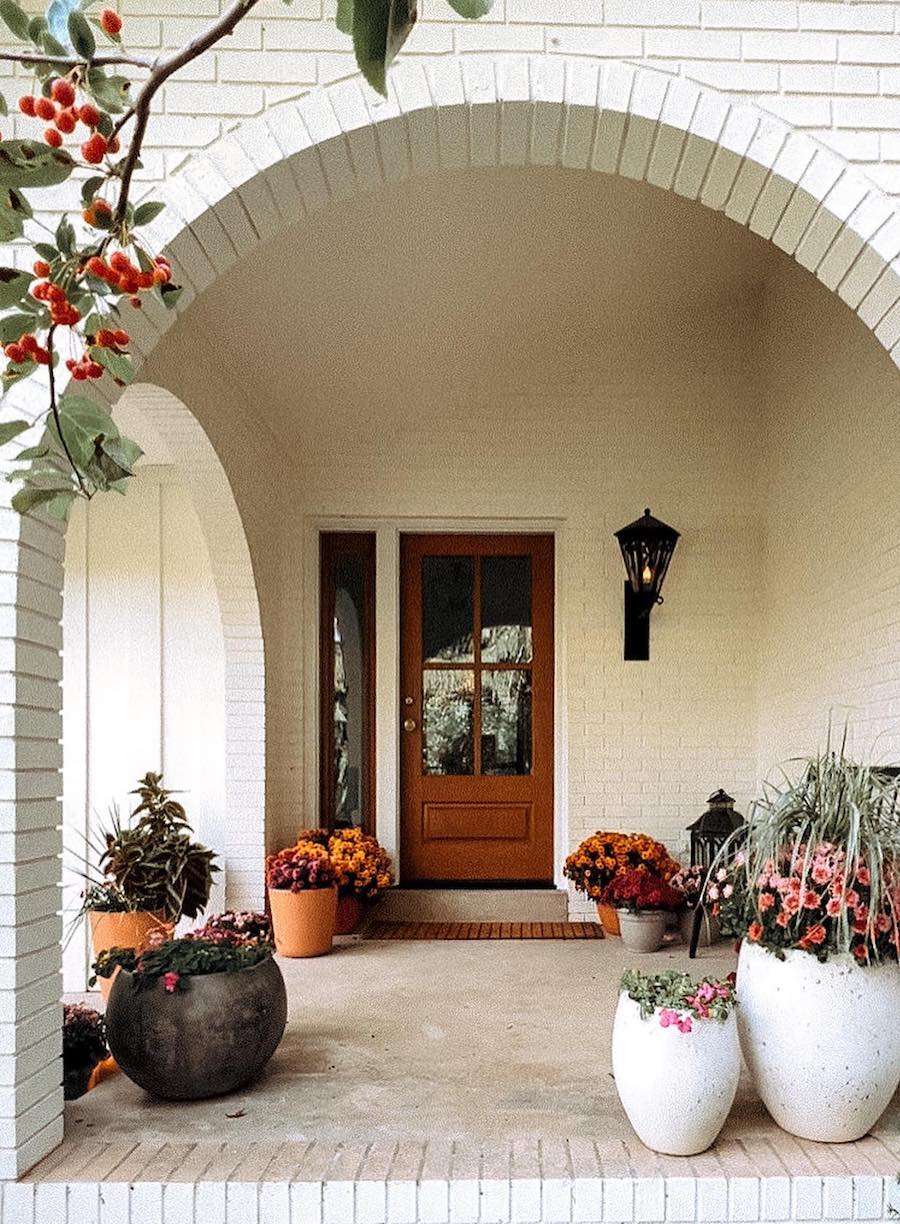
294	160
499	110
220	520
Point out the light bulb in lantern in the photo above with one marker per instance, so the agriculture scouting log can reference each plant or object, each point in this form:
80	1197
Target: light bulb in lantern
647	576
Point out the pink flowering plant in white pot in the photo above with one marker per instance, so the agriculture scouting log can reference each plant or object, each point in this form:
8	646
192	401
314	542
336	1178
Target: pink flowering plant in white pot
676	1058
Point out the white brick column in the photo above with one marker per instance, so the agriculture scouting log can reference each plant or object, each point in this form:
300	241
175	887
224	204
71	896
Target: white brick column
31	571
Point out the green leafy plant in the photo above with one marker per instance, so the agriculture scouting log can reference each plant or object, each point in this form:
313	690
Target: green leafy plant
153	863
820	860
176	961
679	999
98	263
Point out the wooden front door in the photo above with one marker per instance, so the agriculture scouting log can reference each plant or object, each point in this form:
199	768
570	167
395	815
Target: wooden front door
477	709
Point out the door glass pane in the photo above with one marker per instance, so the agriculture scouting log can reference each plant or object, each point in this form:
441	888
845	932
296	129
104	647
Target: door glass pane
447	609
447	715
349	682
506	722
506	610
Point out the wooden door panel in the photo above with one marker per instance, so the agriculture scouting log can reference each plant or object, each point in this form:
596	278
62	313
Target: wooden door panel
477	712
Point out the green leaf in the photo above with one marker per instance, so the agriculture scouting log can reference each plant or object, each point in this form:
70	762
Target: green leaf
36	28
472	9
15	18
65	238
27	163
110	91
145	213
46	251
12	225
4	109
380	28
33	452
19	203
344	18
12	429
170	294
26	499
14	326
91	186
118	364
82	35
13	286
52	45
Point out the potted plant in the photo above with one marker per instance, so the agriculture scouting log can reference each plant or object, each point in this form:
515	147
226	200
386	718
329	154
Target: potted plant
817	900
689	881
676	1058
302	898
84	1046
603	856
152	873
194	1017
643	901
363	872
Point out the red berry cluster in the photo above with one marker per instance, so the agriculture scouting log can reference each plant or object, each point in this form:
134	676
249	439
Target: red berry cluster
62	312
27	349
120	273
60	110
86	366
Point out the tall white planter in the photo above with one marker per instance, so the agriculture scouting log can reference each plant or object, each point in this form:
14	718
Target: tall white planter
822	1041
676	1088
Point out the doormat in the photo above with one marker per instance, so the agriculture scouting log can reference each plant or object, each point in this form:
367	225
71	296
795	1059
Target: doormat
483	930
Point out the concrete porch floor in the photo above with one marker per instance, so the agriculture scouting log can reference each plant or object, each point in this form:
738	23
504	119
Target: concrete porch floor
444	1082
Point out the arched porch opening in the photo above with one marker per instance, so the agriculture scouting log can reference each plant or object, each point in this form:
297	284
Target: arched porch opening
297	161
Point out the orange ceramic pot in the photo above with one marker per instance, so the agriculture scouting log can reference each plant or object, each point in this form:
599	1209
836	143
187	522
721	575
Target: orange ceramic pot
351	910
303	922
124	930
609	917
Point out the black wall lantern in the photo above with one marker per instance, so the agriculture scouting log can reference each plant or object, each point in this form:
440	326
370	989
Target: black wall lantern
647	546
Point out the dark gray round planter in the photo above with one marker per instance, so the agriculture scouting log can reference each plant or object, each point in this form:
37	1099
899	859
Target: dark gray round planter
204	1041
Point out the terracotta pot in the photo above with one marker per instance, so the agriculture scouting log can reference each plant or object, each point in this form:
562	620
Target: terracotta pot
350	913
124	930
201	1042
303	922
609	917
644	931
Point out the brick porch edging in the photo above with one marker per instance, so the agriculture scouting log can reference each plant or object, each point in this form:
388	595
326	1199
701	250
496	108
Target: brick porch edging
613	1200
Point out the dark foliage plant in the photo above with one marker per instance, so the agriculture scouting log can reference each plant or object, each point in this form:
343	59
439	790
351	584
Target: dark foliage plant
176	961
84	1046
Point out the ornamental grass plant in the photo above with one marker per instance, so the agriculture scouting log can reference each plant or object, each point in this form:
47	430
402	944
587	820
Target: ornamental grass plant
820	861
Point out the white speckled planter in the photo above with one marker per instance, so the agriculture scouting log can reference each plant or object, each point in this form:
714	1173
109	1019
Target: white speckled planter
676	1088
822	1041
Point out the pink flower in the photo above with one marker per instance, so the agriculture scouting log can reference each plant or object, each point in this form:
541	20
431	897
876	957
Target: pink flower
667	1016
170	981
833	908
862	875
685	1025
821	873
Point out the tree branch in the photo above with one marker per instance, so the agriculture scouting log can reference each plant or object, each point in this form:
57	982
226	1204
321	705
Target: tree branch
54	408
159	74
66	61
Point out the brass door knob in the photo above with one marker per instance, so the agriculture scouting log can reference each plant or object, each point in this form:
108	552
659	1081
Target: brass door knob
409	724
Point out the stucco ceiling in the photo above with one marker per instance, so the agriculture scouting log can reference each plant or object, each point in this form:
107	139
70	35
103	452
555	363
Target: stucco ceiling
528	278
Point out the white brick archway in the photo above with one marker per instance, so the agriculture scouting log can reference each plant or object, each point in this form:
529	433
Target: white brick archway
294	160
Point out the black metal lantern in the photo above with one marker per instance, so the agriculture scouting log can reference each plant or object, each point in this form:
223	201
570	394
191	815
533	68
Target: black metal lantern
647	545
710	831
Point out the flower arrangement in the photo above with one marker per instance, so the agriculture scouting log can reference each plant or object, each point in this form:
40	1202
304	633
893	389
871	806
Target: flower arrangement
176	961
726	895
679	1000
362	865
303	866
820	868
603	856
236	926
638	890
84	1046
689	882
